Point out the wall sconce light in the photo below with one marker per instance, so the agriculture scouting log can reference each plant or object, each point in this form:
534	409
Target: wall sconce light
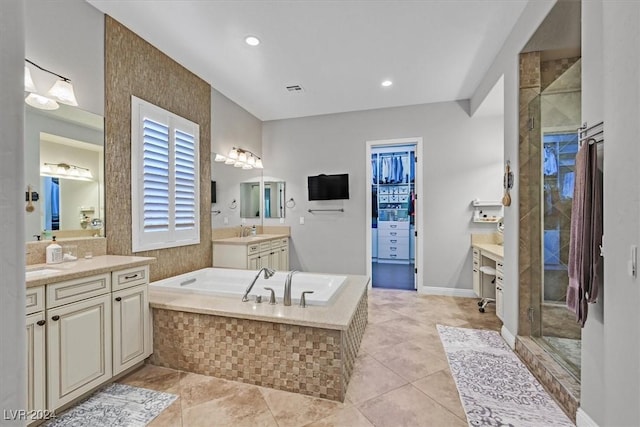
61	91
240	158
64	170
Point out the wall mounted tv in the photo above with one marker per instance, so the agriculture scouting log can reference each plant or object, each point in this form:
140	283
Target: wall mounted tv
328	187
213	191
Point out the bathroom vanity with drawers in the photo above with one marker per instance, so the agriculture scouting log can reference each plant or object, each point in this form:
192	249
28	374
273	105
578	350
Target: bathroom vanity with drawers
87	321
488	252
252	252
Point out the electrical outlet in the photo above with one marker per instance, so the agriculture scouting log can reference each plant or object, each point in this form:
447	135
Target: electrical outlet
226	220
301	220
281	220
244	220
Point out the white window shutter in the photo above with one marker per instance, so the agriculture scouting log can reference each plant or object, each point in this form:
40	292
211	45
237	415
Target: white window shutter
165	178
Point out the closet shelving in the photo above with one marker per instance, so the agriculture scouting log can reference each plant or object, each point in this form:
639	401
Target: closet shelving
393	174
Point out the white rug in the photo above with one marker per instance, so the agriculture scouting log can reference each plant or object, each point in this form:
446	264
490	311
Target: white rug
116	405
495	387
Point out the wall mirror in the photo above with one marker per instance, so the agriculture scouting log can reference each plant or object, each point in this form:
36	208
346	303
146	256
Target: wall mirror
274	199
64	164
250	199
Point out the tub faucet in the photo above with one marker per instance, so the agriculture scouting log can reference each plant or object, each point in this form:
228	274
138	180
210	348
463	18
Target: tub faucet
287	287
267	274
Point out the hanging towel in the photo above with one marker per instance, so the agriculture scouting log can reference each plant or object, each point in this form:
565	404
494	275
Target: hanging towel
576	241
585	265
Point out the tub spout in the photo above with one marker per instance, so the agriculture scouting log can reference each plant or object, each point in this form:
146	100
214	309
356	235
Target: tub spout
267	274
287	287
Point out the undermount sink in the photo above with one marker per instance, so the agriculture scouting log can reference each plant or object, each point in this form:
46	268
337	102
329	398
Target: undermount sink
39	272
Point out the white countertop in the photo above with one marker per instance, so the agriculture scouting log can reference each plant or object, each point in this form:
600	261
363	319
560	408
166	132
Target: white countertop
249	239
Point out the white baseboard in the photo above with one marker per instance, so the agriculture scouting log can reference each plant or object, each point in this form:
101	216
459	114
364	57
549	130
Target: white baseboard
508	337
584	420
447	292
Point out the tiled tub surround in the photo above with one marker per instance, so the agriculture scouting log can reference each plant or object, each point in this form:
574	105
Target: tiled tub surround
304	350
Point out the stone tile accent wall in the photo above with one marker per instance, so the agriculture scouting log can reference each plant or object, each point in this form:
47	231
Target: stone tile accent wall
563	387
301	359
36	251
135	67
551	70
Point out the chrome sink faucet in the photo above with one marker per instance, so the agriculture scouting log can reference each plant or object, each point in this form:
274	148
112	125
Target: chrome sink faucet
267	274
287	287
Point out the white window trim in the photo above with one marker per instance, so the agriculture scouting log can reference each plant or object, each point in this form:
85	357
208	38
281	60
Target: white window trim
141	240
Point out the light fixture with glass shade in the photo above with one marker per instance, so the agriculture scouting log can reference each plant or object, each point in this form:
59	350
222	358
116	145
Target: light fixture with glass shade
240	158
62	91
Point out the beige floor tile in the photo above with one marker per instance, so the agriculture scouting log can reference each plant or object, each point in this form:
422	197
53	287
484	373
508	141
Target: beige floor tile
296	410
411	361
408	407
243	407
348	417
440	387
197	389
154	378
377	337
170	417
370	379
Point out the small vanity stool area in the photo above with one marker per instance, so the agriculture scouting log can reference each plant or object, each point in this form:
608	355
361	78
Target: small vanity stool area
488	267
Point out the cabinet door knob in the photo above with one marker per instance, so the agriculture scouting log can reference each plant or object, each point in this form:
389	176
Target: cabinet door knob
55	318
40	322
118	299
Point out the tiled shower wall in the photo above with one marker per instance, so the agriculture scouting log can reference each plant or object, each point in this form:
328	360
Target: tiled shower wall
134	67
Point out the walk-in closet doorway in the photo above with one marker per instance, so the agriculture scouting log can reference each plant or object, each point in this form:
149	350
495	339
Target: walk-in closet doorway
392	217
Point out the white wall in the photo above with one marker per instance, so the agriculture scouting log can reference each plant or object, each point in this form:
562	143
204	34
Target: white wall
12	253
592	401
67	37
506	64
231	126
462	161
621	77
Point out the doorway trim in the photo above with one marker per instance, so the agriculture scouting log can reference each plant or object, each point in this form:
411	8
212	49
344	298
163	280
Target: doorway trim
419	226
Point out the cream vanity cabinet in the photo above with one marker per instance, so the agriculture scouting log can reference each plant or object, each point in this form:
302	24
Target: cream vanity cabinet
476	272
132	338
272	253
78	337
36	351
89	330
499	289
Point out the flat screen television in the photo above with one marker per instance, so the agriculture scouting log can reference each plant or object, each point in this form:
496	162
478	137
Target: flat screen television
328	187
213	191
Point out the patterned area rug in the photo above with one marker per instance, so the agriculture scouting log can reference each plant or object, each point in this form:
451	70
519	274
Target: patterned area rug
116	405
495	387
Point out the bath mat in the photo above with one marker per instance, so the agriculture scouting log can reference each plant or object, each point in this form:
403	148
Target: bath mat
495	387
115	405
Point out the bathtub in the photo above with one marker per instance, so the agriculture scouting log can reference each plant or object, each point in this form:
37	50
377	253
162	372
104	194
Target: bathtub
232	283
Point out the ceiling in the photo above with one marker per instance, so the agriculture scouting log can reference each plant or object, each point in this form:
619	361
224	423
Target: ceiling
338	51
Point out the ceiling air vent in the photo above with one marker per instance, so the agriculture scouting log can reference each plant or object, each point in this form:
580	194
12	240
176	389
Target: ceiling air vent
295	89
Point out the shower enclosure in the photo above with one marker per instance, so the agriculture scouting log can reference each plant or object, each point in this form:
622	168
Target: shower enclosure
554	118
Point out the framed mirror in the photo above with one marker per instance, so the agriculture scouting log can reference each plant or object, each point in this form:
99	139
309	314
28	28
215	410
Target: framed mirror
274	199
250	199
64	164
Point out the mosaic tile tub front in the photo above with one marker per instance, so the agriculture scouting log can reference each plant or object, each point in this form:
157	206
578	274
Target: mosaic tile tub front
301	359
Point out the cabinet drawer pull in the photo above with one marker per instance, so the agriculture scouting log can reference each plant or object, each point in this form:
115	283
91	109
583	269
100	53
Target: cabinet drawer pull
55	318
393	226
393	248
40	322
133	276
393	256
393	234
118	299
393	241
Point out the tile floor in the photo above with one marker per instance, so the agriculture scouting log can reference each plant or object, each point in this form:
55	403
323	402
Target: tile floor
401	377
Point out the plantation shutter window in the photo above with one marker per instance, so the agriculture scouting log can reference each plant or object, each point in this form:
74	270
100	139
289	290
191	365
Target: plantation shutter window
164	178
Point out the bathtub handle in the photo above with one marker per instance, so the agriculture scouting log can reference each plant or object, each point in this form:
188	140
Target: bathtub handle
303	300
272	298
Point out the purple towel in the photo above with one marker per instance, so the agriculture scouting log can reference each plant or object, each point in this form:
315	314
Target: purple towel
585	264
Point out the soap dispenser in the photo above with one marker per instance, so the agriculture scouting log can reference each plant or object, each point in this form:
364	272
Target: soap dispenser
254	231
54	252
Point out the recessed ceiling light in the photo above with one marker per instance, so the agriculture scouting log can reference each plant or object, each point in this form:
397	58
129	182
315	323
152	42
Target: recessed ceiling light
387	83
252	40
